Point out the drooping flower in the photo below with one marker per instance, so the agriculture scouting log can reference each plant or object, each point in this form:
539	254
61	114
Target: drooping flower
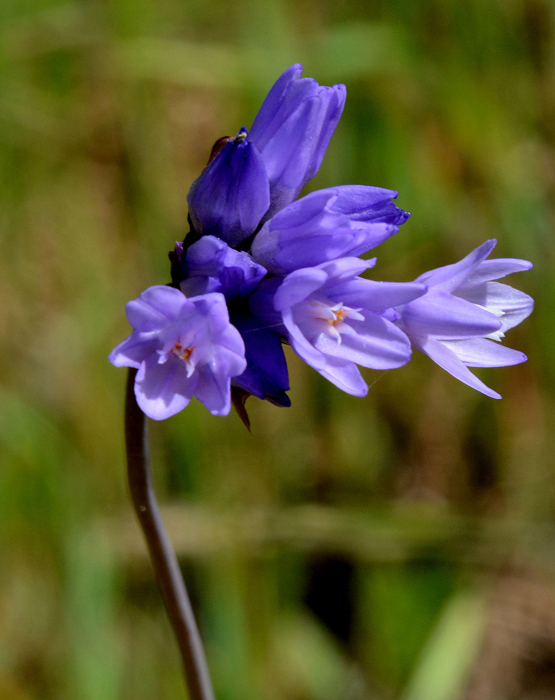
182	348
460	321
326	225
332	319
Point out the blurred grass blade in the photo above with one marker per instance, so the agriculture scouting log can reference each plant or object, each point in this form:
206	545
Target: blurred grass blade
311	664
446	659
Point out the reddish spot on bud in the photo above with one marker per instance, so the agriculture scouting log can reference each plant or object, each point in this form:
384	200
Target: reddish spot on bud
219	146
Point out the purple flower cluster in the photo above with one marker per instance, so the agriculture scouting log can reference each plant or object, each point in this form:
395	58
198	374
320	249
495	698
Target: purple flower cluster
259	269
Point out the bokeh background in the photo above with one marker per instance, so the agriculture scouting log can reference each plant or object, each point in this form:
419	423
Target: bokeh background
400	546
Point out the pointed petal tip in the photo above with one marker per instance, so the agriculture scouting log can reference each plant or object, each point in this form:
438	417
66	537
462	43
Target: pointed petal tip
490	243
119	360
220	411
341	91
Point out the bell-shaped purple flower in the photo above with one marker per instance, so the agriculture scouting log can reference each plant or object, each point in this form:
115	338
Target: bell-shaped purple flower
210	265
458	321
292	131
232	194
332	318
182	348
326	225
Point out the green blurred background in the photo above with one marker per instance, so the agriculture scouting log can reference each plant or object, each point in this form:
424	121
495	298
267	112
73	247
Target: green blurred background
397	546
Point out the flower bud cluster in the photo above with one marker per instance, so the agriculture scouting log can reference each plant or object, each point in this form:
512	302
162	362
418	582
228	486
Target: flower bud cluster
261	268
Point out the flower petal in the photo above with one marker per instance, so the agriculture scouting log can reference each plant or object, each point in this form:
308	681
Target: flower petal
266	374
335	97
495	269
155	307
446	316
480	352
264	123
134	349
345	268
513	304
375	296
297	286
450	277
446	358
300	344
289	155
375	343
261	303
162	390
345	375
214	391
303	234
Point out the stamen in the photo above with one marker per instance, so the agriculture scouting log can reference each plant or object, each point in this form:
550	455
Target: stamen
338	316
183	353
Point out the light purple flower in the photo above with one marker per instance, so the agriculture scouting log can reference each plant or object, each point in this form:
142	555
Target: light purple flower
333	319
463	316
182	348
326	225
292	131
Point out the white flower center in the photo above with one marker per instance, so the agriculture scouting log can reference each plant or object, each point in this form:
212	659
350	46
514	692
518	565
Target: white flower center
184	354
330	319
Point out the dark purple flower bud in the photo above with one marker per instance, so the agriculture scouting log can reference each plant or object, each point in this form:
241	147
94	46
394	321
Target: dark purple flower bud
266	374
292	131
461	320
326	225
210	265
232	194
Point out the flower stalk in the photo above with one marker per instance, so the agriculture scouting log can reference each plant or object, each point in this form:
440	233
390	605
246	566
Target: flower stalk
162	556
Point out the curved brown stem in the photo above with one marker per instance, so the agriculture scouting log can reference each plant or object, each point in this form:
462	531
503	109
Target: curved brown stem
164	561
